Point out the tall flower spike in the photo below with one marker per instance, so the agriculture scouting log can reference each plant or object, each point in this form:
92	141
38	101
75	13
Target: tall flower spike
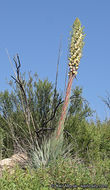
75	53
76	46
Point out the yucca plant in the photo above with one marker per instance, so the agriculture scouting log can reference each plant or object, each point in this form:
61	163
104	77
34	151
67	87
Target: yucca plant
75	54
55	144
53	148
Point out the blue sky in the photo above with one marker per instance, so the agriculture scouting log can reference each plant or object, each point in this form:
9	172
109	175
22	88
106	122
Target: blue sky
33	29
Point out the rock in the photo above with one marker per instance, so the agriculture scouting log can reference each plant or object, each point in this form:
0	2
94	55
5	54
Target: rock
9	163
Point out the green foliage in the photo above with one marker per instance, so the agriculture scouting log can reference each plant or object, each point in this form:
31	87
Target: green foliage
43	95
89	141
39	96
19	180
105	140
6	105
78	105
6	142
59	172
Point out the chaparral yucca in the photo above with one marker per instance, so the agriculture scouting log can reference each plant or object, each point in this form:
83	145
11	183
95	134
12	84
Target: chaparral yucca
52	148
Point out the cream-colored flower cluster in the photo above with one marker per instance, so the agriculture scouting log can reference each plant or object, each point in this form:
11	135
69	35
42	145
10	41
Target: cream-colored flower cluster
76	46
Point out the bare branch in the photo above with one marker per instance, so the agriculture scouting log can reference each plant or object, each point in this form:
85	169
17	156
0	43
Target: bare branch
53	113
27	112
11	62
69	134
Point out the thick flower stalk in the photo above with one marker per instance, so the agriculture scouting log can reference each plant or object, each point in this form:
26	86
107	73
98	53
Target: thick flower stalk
75	54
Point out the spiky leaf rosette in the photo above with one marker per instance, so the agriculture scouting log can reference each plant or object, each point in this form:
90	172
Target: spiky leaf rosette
76	46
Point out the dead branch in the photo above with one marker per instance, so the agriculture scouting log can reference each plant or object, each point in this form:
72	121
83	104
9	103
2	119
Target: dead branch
18	80
60	102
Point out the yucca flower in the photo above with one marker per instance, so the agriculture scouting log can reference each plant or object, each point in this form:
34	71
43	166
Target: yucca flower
75	54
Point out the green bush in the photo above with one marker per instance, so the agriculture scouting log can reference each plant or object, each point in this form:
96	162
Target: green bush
63	171
90	141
